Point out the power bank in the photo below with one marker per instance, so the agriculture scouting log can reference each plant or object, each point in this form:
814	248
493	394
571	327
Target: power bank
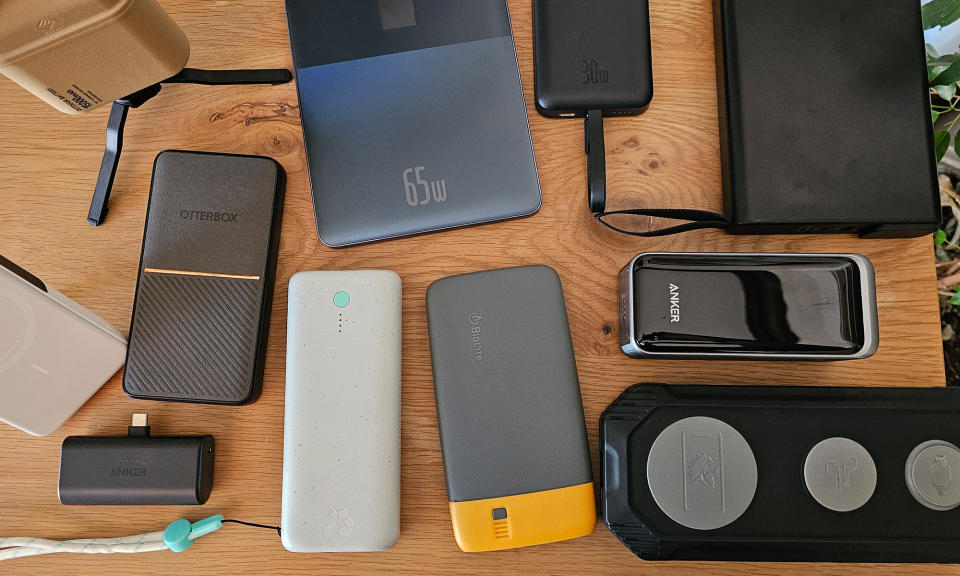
511	421
413	116
136	469
830	165
783	474
592	59
77	55
341	438
592	56
54	353
748	306
205	287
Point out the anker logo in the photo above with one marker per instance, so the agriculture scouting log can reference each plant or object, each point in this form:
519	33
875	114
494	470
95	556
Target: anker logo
129	467
476	335
210	216
674	303
124	471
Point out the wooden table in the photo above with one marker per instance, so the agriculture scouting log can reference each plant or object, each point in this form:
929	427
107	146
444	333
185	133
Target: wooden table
667	157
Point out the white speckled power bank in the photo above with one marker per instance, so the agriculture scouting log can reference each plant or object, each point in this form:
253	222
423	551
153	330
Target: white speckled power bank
341	441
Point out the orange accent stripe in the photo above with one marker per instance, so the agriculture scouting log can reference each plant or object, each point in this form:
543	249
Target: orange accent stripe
208	274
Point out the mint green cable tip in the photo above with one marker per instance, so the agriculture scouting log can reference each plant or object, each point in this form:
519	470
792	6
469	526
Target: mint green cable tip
180	534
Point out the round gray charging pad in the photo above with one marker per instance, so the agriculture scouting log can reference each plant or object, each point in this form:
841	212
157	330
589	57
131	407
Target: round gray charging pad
933	475
840	474
702	473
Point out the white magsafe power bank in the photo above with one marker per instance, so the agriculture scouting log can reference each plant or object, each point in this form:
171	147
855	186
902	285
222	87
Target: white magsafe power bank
341	439
54	353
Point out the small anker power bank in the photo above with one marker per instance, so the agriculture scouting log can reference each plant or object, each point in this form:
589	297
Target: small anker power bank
511	421
341	440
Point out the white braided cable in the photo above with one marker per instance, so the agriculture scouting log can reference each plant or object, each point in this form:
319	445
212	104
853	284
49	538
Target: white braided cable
21	547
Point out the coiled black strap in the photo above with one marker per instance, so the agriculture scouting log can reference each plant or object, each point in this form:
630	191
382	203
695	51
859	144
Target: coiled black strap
697	220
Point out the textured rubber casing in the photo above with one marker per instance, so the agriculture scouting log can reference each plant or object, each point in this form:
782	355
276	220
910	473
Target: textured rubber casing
783	522
54	353
592	56
136	470
413	116
205	288
508	396
830	165
341	439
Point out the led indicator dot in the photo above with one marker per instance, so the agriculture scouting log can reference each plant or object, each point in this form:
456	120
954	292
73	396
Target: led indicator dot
341	299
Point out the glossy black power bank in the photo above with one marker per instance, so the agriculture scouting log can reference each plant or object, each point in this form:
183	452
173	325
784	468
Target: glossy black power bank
592	56
205	288
748	306
783	474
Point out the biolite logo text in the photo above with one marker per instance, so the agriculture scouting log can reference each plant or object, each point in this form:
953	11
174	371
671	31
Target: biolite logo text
476	335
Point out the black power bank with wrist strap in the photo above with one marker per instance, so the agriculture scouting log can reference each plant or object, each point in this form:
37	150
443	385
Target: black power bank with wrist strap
592	59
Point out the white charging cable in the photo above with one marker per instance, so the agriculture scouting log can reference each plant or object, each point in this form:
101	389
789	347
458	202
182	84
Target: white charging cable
11	548
178	536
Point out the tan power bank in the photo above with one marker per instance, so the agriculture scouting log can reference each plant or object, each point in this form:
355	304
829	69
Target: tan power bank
77	55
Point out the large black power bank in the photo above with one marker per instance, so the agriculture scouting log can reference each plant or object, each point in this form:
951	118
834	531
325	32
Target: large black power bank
825	117
205	289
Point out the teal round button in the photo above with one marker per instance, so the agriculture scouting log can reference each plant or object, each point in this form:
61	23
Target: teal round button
341	299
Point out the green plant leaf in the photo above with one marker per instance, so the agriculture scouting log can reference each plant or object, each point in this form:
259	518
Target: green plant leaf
941	143
935	115
947	92
934	70
931	52
940	238
940	13
955	299
949	76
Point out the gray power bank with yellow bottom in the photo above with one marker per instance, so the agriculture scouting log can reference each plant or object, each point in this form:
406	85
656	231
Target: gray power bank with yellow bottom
511	420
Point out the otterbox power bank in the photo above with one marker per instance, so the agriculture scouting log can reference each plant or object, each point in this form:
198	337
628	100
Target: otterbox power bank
511	421
413	116
783	474
341	438
748	306
204	293
855	152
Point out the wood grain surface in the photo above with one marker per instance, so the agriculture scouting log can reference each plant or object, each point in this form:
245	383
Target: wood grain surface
668	157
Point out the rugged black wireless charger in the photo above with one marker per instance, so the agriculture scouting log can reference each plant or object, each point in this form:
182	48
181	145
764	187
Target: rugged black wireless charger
118	117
